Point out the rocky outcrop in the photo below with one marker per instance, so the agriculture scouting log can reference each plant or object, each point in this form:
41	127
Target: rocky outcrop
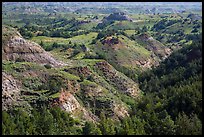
16	48
10	91
96	96
97	99
111	41
73	86
92	90
118	16
69	103
155	46
120	111
70	97
147	63
122	82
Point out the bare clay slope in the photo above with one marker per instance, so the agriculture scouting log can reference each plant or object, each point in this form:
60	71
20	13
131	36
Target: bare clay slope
16	48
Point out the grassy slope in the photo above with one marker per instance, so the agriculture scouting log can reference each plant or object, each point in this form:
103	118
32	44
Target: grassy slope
85	39
125	55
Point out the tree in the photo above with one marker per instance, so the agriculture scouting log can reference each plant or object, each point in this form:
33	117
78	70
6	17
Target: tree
8	126
194	30
91	129
106	125
188	125
55	45
144	29
47	66
127	127
138	125
55	83
45	122
42	44
167	126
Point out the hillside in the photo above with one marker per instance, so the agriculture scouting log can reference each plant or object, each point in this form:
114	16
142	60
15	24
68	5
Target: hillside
170	86
101	68
154	46
16	48
194	17
118	16
107	85
97	87
126	54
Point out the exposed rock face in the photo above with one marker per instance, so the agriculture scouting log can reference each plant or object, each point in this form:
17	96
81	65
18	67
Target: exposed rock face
10	91
120	111
84	71
93	90
119	16
70	104
99	99
145	63
73	86
155	46
16	48
83	21
122	83
111	41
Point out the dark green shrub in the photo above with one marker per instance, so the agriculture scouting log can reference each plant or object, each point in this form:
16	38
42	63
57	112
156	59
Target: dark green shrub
47	66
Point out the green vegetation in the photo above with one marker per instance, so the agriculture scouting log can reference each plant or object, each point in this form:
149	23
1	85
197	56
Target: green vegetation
41	121
170	86
111	50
